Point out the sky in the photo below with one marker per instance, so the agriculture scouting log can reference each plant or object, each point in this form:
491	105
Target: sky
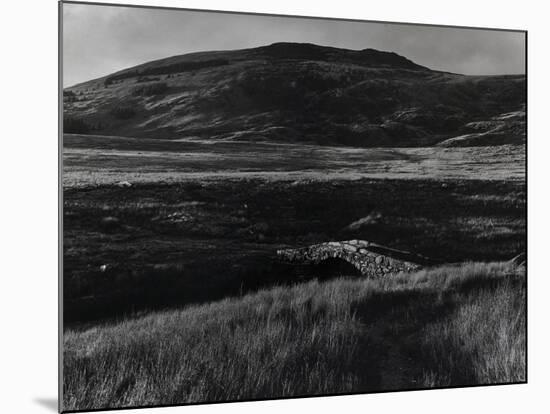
99	40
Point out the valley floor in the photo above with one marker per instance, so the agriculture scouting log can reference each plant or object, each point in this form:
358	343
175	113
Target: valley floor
96	160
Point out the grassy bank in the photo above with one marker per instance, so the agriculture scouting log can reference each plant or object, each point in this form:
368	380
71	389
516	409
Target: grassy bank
446	326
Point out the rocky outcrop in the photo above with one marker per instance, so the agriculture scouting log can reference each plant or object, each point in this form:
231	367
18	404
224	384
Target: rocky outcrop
508	128
371	259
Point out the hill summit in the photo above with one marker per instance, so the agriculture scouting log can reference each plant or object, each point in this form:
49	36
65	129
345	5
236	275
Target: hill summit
298	92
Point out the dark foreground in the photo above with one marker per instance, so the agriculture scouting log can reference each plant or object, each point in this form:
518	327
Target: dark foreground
450	326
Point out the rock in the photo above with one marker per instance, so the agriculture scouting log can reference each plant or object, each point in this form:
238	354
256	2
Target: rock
124	184
110	223
371	219
349	248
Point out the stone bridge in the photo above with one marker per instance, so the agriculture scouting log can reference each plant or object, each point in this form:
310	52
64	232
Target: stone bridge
370	259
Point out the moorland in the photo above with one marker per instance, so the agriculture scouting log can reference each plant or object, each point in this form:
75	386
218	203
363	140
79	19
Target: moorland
184	176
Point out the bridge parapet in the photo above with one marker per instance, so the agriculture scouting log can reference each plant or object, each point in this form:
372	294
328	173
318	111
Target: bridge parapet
370	259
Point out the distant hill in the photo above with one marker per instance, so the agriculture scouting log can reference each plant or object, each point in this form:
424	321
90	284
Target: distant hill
293	92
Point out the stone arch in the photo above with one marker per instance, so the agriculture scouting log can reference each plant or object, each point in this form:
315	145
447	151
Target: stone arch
370	259
335	267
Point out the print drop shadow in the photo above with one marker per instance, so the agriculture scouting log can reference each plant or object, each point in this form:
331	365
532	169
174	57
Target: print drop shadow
49	403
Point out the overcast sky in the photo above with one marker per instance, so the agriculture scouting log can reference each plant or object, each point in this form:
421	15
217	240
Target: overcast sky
99	40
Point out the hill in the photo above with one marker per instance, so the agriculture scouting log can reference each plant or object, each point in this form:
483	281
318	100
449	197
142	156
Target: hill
290	92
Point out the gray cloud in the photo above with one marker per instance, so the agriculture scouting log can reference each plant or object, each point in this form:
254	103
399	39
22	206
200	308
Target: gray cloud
98	40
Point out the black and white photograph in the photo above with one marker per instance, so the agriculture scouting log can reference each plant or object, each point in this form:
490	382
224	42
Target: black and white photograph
259	207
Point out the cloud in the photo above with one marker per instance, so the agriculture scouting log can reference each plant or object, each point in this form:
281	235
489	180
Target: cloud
98	40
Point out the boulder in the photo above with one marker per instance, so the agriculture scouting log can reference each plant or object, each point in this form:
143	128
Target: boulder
124	184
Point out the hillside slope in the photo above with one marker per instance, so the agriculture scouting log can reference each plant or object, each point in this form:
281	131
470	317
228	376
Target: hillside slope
447	326
290	92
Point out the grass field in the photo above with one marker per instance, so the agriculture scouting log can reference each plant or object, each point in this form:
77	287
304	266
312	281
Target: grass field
452	325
